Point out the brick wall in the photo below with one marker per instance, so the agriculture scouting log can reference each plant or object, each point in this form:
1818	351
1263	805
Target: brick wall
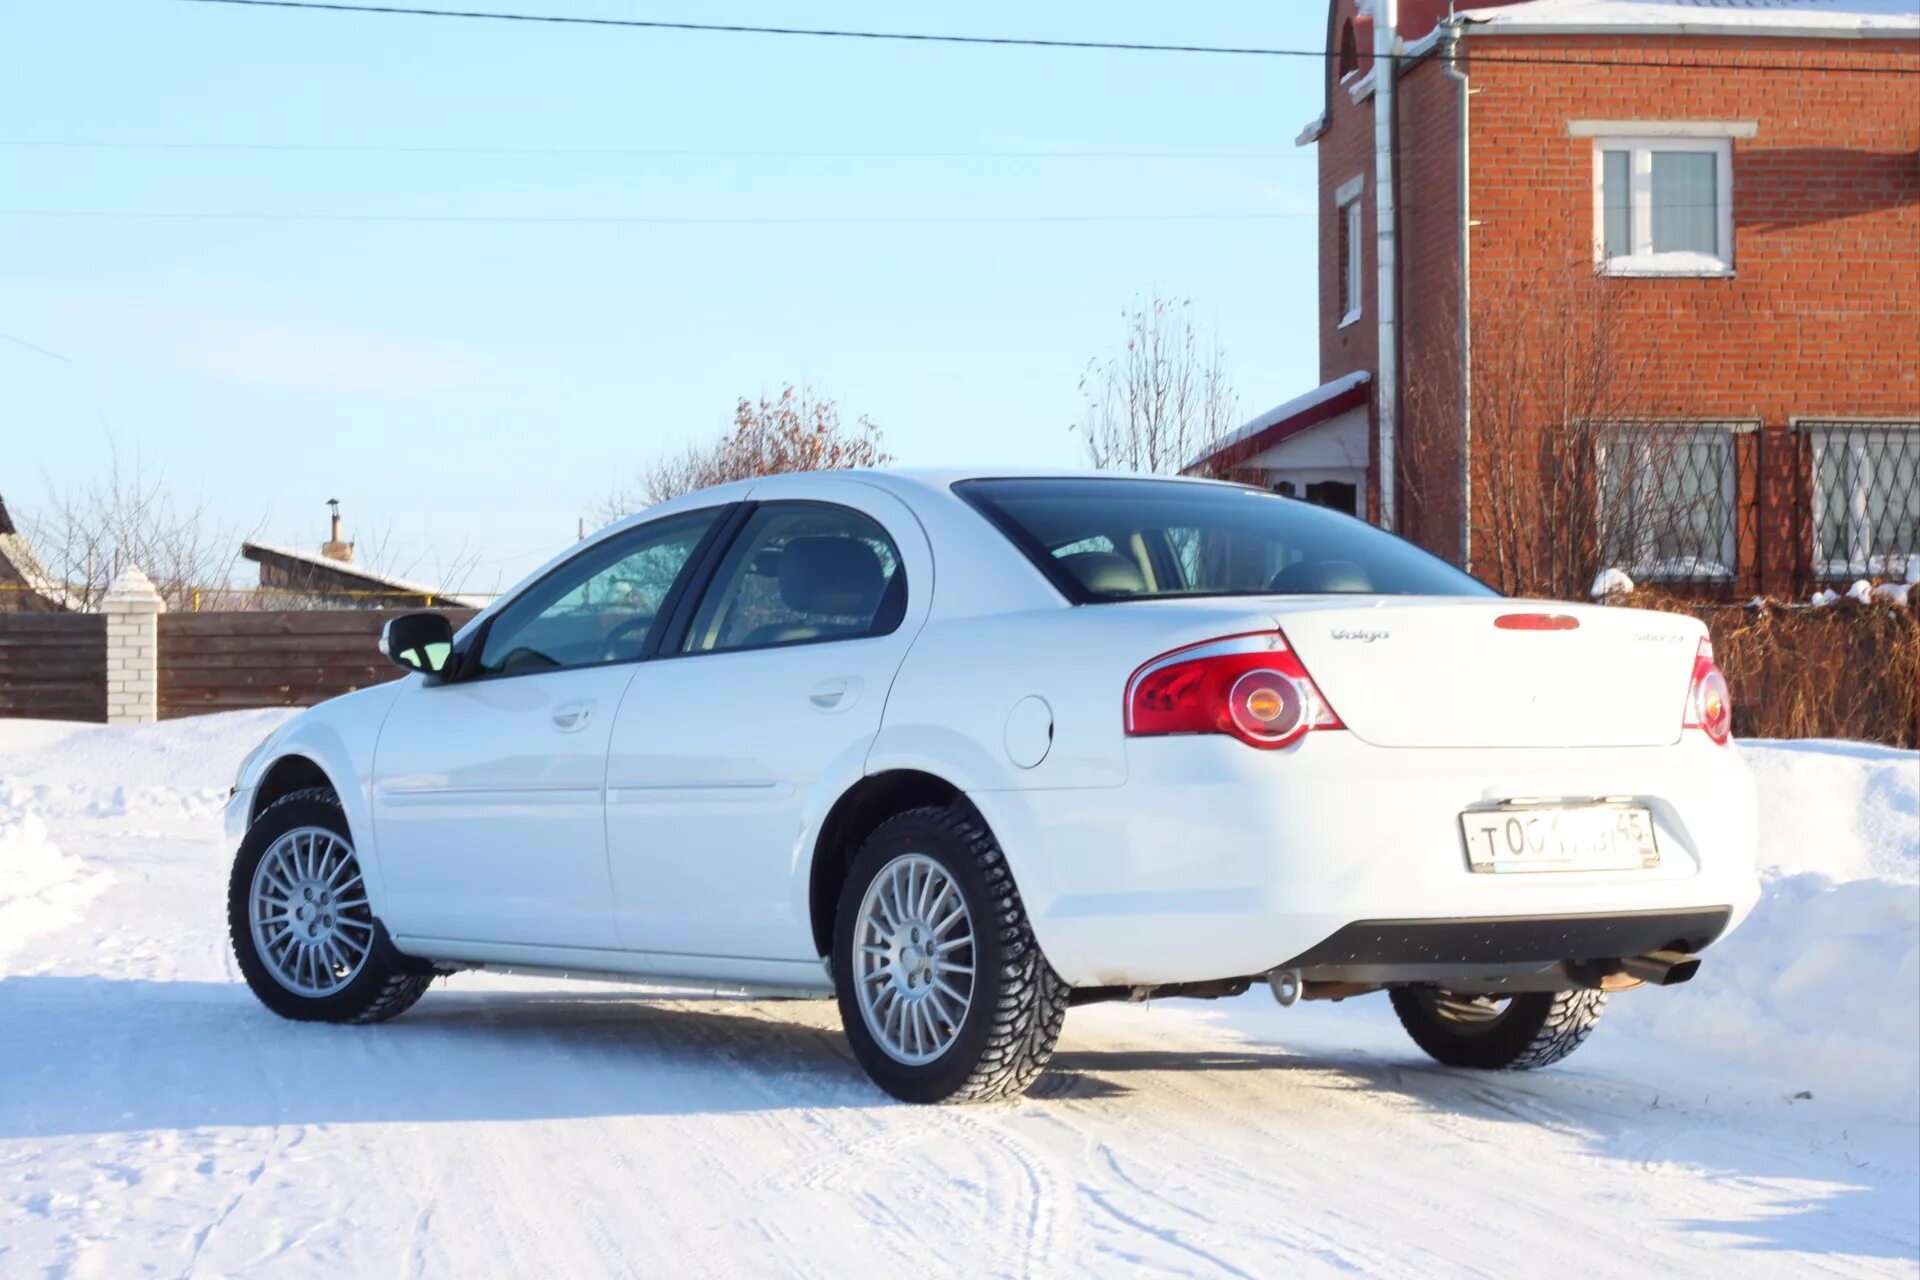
1346	152
1430	289
1429	193
1819	317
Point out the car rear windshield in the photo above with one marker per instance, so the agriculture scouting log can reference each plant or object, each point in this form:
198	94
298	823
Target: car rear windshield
1132	539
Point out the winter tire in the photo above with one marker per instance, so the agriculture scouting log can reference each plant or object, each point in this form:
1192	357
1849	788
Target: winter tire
1513	1033
944	993
301	926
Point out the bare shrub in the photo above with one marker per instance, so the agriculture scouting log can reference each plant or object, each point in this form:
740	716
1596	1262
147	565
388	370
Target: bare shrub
130	516
793	431
1846	670
1159	399
1572	468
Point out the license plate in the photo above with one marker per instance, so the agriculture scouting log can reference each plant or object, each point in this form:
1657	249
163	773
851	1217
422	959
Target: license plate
1592	837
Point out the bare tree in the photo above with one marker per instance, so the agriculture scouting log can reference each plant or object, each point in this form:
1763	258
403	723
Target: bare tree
793	431
451	571
130	516
1158	400
1572	469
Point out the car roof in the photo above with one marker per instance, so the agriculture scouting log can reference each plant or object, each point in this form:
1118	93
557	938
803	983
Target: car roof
899	478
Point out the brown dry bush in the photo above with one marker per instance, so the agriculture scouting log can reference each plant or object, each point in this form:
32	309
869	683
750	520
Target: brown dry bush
1847	670
794	431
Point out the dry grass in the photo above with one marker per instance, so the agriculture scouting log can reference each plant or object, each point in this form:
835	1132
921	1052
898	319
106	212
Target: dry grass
1843	671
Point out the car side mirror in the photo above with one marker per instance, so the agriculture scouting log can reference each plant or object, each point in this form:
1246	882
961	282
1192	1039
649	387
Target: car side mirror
420	642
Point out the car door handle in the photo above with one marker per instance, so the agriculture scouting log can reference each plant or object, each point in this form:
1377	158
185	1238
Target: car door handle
571	717
837	694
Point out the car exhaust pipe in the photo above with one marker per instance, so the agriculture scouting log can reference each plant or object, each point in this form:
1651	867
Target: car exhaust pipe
1286	986
1661	968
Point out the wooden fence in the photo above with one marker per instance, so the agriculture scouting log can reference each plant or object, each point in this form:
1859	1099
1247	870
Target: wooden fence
235	661
53	666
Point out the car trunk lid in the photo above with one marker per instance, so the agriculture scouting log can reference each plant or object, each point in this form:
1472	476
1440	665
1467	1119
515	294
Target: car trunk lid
1432	672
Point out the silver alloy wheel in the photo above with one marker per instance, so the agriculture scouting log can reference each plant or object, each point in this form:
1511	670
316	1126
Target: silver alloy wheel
913	959
308	910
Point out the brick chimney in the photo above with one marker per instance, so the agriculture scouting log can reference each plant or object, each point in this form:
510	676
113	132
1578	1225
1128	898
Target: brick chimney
334	548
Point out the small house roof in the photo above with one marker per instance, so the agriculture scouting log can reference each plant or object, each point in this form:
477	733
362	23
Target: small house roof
370	580
1348	391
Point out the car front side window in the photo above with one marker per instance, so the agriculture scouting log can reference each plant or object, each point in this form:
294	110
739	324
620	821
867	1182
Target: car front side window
801	572
599	607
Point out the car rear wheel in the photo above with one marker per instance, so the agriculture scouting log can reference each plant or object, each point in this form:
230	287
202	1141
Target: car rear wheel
1510	1033
301	925
943	991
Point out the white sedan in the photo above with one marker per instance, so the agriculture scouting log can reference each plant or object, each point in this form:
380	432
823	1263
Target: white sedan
964	750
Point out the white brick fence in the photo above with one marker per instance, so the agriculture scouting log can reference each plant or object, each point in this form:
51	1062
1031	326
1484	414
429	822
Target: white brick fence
132	608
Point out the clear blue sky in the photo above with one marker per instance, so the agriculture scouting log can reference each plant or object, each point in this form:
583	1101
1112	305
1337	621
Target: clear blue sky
479	384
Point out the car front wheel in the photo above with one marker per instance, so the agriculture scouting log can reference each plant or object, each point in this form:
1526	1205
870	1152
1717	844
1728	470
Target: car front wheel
303	931
943	990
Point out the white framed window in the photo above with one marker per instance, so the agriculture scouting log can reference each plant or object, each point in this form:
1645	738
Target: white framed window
1866	497
1663	206
1348	234
1666	500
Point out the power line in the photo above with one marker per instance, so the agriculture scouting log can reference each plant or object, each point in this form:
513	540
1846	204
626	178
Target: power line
22	342
357	148
649	220
744	29
333	6
698	220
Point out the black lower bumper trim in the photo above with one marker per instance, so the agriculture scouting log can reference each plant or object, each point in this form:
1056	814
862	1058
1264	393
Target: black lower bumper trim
1517	939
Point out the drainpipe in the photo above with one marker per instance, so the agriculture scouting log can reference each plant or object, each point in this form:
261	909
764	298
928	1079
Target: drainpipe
1451	65
1386	49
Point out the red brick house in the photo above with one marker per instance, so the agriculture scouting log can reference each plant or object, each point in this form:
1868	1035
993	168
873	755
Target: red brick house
1715	204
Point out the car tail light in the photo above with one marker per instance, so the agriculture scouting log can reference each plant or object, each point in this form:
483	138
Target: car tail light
1709	704
1252	687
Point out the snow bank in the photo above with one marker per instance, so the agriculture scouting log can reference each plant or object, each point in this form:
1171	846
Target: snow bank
41	888
178	768
1821	987
63	774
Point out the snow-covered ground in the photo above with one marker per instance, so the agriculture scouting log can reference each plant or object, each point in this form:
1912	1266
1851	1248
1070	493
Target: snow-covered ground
155	1120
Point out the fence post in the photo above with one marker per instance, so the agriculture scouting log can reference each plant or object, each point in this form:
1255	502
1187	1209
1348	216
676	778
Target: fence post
132	608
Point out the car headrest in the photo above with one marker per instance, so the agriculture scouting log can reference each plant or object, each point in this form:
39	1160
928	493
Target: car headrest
838	577
1313	576
1104	573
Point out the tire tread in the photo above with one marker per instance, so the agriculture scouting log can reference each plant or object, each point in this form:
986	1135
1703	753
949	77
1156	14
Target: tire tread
1540	1029
1031	999
397	990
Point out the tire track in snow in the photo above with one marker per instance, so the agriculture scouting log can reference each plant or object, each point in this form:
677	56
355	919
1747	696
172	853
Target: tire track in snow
1215	1099
1039	1245
277	1148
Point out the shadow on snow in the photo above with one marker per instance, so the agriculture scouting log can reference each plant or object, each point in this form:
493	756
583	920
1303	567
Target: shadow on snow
82	1055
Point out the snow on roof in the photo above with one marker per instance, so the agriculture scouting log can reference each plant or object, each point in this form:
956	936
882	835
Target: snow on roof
390	581
1813	18
1281	412
19	556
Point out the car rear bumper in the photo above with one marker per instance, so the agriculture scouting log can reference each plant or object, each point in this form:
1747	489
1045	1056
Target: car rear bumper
1215	860
1496	941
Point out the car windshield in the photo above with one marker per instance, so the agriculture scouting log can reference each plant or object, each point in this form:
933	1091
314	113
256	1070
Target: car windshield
1127	539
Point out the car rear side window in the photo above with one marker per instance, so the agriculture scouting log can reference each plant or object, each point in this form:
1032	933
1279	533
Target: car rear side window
801	573
1119	539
